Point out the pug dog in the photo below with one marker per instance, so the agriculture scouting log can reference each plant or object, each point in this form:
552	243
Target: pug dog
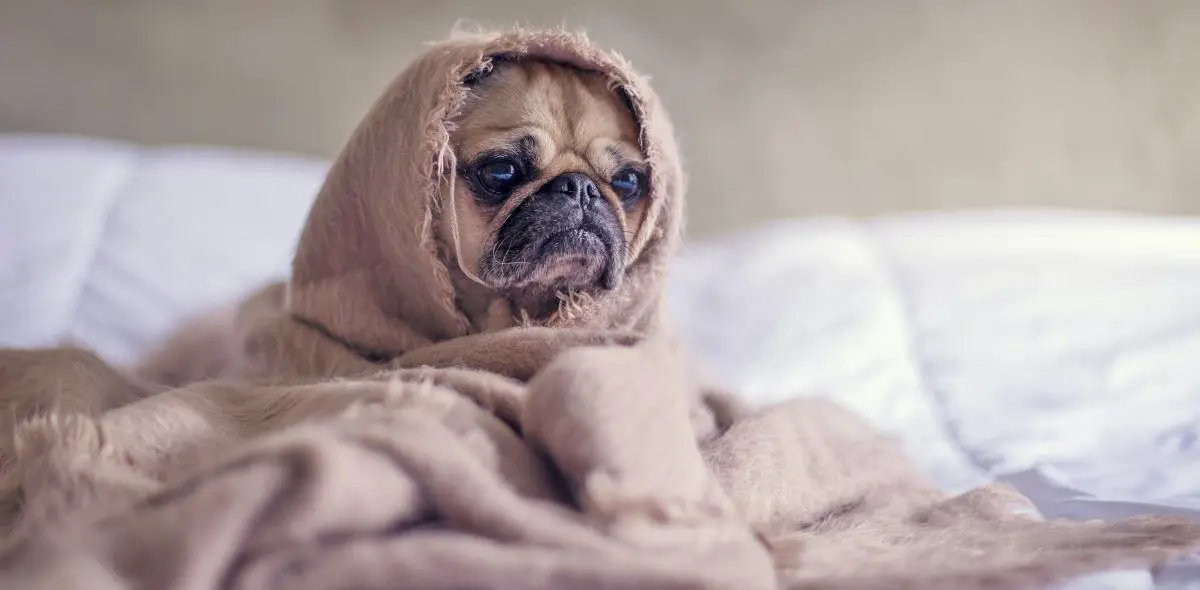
550	184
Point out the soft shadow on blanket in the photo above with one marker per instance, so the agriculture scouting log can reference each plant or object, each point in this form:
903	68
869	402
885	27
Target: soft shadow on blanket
579	452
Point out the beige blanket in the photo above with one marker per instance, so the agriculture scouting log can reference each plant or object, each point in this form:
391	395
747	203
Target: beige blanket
357	428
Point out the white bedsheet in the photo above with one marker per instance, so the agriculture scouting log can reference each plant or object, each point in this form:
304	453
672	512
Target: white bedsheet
1056	350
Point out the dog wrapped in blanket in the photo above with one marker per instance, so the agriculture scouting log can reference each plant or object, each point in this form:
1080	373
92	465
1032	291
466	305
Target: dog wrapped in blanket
469	382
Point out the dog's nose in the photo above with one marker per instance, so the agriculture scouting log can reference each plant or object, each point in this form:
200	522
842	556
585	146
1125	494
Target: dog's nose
574	184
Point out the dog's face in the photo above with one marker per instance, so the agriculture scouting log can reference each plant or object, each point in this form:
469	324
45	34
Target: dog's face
551	183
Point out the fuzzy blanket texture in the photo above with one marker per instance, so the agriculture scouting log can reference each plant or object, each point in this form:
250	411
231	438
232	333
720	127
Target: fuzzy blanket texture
353	428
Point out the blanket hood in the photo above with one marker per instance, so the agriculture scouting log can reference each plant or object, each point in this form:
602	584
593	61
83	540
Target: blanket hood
370	269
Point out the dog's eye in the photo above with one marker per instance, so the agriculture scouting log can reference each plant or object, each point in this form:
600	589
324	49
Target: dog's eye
629	184
499	177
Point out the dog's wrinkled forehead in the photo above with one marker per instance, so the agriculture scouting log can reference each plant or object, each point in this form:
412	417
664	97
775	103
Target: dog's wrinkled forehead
550	110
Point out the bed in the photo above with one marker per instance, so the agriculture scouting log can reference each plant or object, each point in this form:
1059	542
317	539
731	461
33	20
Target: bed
1055	350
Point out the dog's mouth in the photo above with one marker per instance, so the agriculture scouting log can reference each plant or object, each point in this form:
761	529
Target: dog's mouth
579	242
575	258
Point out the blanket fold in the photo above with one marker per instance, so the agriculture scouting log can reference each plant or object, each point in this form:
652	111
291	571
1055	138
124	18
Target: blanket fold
357	428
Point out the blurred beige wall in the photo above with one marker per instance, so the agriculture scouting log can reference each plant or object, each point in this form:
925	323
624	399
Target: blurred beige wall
785	108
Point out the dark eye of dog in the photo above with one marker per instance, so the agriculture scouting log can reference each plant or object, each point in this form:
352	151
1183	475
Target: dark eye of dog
497	178
629	184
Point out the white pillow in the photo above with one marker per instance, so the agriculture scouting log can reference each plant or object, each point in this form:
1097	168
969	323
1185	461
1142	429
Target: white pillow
110	244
